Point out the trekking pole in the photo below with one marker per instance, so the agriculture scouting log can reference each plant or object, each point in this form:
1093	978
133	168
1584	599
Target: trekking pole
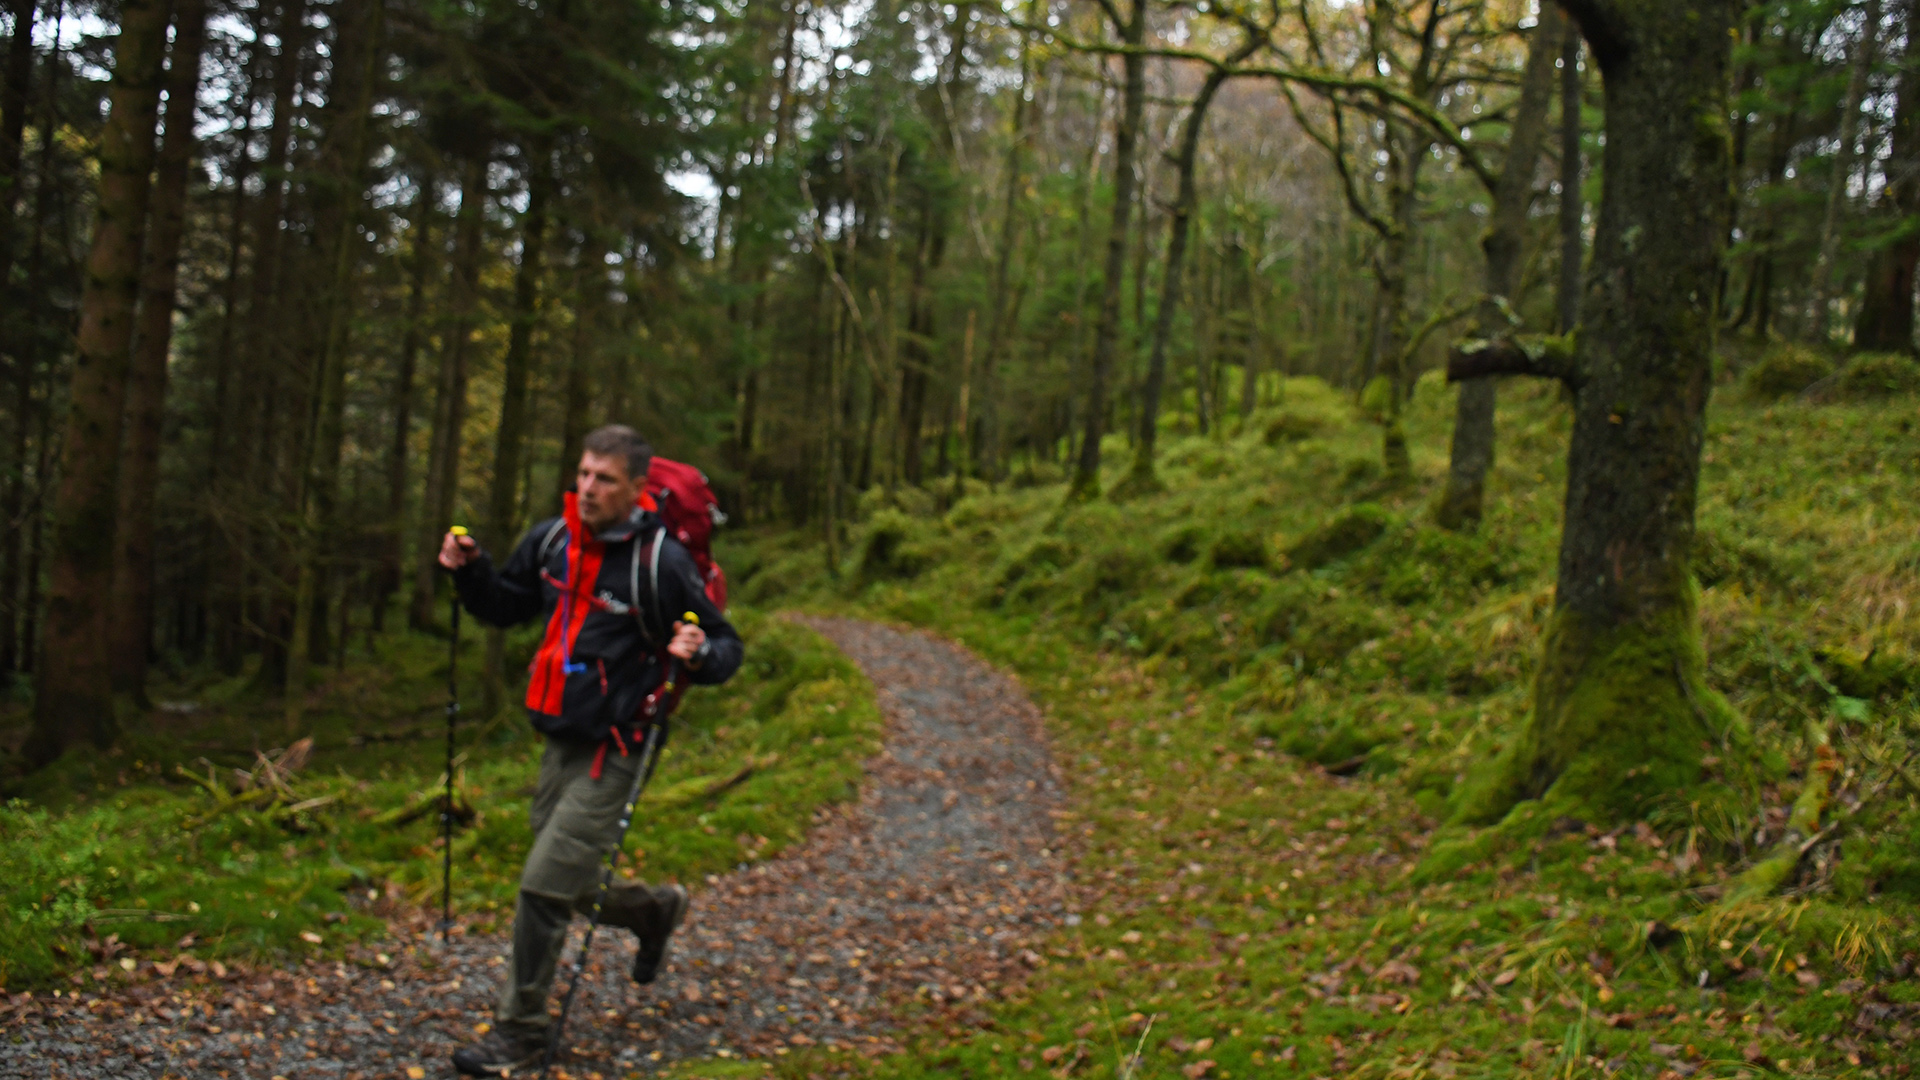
446	809
649	755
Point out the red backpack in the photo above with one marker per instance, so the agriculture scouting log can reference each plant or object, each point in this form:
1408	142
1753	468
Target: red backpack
685	503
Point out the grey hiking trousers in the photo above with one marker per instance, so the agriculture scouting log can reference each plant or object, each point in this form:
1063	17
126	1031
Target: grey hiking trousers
576	823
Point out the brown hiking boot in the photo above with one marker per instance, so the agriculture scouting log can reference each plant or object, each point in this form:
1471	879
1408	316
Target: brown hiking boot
672	905
498	1053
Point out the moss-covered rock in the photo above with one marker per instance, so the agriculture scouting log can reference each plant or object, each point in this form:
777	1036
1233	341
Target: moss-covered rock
1289	426
1183	543
1877	673
1877	375
1348	532
1785	371
1240	547
892	546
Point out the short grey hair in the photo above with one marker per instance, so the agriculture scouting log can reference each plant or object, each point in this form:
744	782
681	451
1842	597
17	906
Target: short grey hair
620	440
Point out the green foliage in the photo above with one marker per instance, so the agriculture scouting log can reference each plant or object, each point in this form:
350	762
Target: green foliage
1785	371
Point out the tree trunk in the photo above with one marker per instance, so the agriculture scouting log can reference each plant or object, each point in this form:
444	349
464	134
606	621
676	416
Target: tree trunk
1621	710
1462	502
1086	476
1572	205
132	627
1001	319
1822	292
73	692
394	549
1179	223
1387	356
339	185
1886	311
503	526
442	497
590	290
264	369
15	85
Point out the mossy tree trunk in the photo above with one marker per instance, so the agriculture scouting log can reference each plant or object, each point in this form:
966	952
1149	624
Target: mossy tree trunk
1463	500
1621	712
1387	354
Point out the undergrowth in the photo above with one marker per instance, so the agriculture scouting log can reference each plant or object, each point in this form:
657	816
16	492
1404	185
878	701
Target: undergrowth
1270	683
123	857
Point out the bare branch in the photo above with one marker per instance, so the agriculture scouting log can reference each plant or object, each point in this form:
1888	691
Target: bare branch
1324	83
1546	356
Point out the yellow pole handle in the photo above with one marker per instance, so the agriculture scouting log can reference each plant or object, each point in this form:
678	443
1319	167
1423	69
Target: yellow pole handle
457	530
690	617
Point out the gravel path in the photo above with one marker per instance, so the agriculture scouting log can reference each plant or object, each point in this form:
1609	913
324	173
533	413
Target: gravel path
930	893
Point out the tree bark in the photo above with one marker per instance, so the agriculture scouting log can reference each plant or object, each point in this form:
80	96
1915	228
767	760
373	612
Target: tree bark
450	398
265	369
339	185
15	86
1003	316
132	627
1621	711
1179	223
1885	323
1133	32
1387	356
73	696
394	550
503	526
590	290
1572	204
1463	500
1819	312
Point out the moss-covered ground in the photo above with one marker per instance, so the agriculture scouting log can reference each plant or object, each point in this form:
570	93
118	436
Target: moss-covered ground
123	857
1272	683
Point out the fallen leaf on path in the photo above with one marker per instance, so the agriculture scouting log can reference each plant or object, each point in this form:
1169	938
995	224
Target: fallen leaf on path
1198	1069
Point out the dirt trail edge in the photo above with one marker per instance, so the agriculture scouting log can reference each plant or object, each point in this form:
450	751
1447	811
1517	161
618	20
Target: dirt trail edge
931	891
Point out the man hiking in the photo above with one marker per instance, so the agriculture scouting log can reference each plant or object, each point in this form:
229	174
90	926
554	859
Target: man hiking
613	587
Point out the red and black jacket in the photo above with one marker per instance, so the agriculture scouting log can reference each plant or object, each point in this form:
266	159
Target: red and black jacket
604	648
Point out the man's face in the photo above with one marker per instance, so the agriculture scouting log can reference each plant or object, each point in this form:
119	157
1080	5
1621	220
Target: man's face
606	491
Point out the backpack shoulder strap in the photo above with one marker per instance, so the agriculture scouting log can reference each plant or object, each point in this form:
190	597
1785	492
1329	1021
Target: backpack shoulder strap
546	544
653	579
653	571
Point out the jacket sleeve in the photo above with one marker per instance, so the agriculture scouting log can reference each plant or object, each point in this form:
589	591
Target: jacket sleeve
511	594
682	590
